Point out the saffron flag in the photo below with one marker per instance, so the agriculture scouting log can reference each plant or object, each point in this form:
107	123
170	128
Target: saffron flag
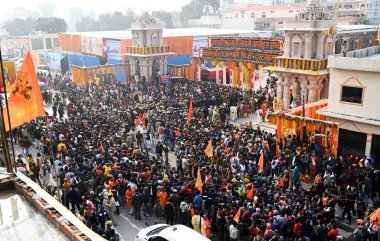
25	99
331	31
375	217
208	149
198	183
378	34
237	216
261	162
190	114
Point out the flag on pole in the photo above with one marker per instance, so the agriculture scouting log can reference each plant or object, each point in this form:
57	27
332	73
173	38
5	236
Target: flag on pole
330	33
261	162
198	183
375	217
378	34
208	149
25	99
237	216
190	114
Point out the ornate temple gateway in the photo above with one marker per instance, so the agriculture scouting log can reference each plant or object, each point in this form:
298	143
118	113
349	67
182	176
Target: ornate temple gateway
148	55
302	70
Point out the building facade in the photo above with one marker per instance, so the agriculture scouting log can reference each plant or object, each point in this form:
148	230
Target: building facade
373	12
354	101
258	16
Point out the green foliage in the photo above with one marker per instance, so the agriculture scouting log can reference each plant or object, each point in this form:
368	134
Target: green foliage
196	8
18	26
50	25
165	17
107	22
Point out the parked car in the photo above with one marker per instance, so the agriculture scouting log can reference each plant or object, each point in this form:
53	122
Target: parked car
43	87
165	232
43	69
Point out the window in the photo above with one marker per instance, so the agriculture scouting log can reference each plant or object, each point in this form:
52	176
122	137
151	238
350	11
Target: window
290	11
252	14
280	22
352	94
263	15
242	11
236	15
271	11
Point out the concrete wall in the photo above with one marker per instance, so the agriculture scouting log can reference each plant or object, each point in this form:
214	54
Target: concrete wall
370	81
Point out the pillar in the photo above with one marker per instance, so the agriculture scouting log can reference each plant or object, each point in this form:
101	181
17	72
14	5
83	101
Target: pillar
308	45
368	145
286	92
303	81
296	91
280	88
320	47
287	46
132	64
319	88
241	77
312	97
224	75
165	65
217	77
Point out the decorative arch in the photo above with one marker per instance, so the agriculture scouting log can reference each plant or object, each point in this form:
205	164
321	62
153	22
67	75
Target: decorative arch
353	81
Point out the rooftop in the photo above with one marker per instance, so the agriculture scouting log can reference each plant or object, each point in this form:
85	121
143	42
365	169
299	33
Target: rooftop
367	59
196	32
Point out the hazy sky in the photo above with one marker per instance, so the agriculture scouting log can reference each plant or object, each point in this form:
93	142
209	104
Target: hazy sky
99	6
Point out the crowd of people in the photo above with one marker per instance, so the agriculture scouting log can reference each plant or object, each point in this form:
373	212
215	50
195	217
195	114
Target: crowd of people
110	146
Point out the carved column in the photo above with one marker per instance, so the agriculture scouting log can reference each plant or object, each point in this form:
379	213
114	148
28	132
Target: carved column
286	93
287	45
308	45
165	65
132	64
296	86
319	88
303	81
312	89
280	88
320	47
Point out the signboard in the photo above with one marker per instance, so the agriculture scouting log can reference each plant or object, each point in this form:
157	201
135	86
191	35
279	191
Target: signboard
273	45
237	55
9	75
198	44
92	45
165	79
113	49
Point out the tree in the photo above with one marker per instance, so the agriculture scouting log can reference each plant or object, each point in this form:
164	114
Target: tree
214	5
50	25
192	10
165	17
87	24
47	9
18	26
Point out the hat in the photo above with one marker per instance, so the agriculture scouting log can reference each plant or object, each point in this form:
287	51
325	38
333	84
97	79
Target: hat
109	222
359	221
175	190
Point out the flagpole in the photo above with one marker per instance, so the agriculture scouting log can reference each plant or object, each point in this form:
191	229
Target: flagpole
9	121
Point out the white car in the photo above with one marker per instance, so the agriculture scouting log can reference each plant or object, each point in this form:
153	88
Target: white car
165	232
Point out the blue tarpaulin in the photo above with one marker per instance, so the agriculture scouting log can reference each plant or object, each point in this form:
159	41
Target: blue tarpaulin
82	60
179	60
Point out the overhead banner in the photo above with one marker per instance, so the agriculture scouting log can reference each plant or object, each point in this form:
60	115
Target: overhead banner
259	44
237	55
9	75
113	49
54	60
92	45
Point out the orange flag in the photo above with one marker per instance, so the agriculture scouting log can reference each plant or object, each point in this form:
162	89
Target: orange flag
375	217
198	183
237	216
190	114
25	99
208	149
378	34
261	162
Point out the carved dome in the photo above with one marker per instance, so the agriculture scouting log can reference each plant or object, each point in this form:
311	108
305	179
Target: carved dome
146	18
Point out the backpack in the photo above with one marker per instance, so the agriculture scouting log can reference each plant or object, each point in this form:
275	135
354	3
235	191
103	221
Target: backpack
319	233
361	235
